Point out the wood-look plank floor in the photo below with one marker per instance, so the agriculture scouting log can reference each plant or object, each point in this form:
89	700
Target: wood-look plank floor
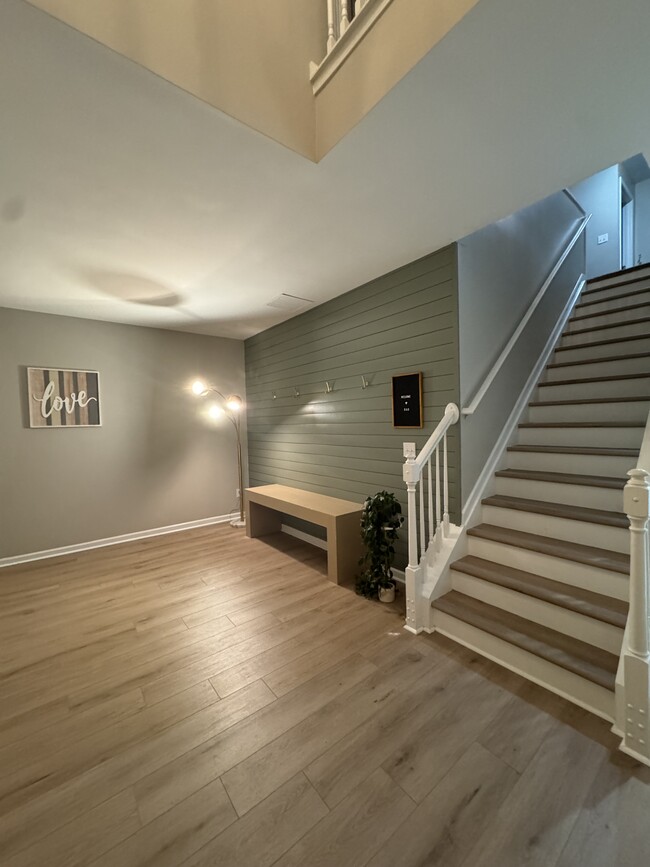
206	699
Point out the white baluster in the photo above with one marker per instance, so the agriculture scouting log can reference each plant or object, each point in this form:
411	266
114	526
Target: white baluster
636	657
445	517
358	5
345	16
438	517
423	538
430	501
331	24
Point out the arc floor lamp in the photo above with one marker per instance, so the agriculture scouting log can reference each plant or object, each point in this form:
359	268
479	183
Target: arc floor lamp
231	407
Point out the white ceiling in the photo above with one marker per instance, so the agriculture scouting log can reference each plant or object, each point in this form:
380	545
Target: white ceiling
123	198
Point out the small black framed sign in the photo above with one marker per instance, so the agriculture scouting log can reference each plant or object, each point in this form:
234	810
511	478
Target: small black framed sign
407	400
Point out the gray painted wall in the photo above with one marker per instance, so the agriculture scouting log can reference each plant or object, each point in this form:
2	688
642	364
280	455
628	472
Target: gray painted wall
500	270
600	196
157	460
343	444
642	221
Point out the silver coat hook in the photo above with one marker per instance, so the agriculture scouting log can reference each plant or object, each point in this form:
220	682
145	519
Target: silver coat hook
364	382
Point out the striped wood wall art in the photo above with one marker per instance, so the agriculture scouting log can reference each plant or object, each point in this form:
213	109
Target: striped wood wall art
63	398
343	443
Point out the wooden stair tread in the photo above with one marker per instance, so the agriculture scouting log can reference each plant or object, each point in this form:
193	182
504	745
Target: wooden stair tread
622	272
582	659
607	342
577	450
630	294
582	424
559	510
587	380
606	326
595	605
563	478
598	558
625	309
572	402
600	359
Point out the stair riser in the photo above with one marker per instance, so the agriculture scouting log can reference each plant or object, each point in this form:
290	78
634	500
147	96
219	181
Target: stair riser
614	284
630	411
620	332
572	495
597	368
619	347
605	437
611	318
556	568
566	684
594	632
580	532
612	303
584	390
639	278
591	465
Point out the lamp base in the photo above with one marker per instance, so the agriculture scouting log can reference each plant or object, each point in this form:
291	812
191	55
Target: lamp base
238	523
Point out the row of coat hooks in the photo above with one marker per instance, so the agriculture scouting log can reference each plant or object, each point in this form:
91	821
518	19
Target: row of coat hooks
329	387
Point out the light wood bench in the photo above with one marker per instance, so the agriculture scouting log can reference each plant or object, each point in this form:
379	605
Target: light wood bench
341	518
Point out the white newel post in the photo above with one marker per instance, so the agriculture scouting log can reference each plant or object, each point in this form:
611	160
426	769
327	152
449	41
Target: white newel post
412	571
636	734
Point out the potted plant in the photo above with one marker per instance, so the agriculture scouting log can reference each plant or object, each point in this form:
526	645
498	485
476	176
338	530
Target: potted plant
380	521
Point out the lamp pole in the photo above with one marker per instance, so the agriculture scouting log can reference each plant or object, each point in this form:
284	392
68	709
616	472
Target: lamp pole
231	409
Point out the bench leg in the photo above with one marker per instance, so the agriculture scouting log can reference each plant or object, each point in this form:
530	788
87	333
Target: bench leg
262	521
344	549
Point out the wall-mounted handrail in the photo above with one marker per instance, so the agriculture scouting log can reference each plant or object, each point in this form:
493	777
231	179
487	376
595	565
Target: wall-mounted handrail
471	408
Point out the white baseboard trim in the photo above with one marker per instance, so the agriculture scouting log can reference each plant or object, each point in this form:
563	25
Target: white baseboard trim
112	540
510	427
305	537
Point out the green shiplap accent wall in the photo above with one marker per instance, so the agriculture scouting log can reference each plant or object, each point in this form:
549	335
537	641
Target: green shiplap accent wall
343	444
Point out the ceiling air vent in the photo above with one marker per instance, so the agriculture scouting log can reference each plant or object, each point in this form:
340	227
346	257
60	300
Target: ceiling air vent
289	302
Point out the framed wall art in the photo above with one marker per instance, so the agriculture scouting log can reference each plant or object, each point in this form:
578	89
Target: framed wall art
63	398
407	400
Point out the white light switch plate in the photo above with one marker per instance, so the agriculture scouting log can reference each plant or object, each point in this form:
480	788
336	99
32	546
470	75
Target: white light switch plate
603	239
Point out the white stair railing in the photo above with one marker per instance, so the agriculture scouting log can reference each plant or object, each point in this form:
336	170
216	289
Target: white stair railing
340	13
431	521
633	680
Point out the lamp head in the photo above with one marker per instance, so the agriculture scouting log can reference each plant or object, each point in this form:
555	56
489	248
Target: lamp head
234	403
199	388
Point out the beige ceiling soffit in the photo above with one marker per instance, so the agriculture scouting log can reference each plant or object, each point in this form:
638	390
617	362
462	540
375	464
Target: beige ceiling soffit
364	21
239	58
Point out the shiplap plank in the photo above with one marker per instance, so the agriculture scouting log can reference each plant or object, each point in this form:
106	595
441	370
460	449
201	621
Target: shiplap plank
343	443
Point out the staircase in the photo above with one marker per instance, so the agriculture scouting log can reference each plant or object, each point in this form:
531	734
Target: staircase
544	586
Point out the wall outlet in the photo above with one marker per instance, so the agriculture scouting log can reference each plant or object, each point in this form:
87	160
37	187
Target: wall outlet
603	239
